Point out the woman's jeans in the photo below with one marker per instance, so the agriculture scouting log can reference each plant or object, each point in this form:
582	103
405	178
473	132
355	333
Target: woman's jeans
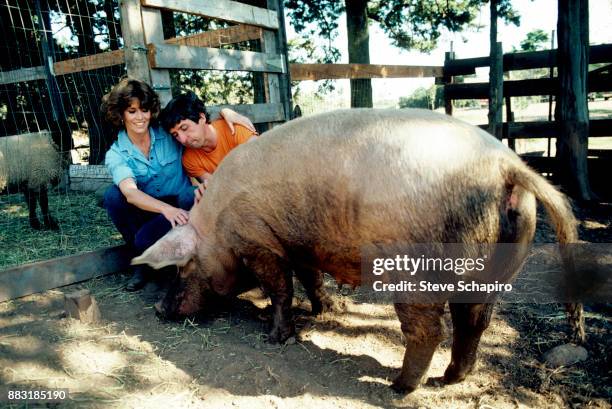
139	228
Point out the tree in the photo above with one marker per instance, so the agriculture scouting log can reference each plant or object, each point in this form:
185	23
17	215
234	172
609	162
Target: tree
408	24
572	112
428	98
535	40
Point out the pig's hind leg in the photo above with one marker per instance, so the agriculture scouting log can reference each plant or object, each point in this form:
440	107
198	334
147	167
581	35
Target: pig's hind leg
423	329
276	280
312	280
469	322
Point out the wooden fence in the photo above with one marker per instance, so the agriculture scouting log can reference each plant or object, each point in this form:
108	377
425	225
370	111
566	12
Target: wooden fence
149	57
599	80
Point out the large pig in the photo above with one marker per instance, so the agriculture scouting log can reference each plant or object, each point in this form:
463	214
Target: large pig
307	196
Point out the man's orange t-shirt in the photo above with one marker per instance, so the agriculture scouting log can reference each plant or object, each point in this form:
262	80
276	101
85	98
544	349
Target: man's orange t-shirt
197	162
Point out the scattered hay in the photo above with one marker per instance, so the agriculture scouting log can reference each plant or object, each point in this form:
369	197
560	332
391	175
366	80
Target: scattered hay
84	226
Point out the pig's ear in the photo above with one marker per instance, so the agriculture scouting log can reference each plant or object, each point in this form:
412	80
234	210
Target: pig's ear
177	247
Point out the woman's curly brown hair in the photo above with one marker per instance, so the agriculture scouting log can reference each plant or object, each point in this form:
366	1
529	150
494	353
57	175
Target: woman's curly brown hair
120	97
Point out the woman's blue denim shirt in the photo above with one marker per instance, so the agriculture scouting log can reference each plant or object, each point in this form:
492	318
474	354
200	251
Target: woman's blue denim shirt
161	174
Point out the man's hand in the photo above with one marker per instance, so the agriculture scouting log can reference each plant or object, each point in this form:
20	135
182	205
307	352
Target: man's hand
233	117
176	216
201	187
198	193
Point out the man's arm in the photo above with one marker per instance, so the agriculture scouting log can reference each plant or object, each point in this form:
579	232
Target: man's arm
141	200
234	118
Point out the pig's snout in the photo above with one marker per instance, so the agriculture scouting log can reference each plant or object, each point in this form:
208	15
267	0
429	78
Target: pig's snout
165	312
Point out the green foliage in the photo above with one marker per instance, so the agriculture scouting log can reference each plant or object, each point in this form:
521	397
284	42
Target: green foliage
428	98
433	98
317	18
304	50
535	40
409	24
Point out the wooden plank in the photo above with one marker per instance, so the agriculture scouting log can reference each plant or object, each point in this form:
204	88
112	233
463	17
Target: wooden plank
601	153
302	72
546	129
215	38
154	33
271	81
541	163
280	43
258	113
600	127
480	90
221	9
22	75
522	88
185	57
598	167
133	39
525	60
90	62
44	275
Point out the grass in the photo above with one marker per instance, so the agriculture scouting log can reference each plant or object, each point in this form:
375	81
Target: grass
84	226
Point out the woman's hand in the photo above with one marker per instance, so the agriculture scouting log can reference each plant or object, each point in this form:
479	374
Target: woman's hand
233	117
176	216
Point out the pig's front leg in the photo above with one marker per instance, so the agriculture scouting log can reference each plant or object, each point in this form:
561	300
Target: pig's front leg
312	280
276	280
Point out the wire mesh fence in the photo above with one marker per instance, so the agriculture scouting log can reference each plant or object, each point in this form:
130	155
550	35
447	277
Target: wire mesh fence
48	120
59	58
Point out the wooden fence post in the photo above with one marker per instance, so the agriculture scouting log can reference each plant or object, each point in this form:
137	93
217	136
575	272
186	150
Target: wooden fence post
277	85
134	41
154	33
496	90
285	78
509	120
447	79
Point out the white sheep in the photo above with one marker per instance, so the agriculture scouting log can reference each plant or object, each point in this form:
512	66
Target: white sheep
30	161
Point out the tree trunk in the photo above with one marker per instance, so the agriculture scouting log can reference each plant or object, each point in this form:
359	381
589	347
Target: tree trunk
358	49
572	112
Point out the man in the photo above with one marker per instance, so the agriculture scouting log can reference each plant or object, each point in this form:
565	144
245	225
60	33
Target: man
206	143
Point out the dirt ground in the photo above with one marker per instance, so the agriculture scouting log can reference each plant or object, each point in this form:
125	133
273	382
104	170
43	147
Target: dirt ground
344	359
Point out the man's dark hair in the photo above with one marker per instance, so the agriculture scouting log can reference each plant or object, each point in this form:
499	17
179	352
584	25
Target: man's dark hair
184	106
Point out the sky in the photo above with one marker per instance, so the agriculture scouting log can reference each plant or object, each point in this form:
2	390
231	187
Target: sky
536	14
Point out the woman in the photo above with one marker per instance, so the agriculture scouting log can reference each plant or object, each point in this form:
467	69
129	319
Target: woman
151	192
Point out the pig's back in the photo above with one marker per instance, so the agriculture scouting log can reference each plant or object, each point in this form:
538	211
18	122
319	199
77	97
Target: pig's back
371	175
